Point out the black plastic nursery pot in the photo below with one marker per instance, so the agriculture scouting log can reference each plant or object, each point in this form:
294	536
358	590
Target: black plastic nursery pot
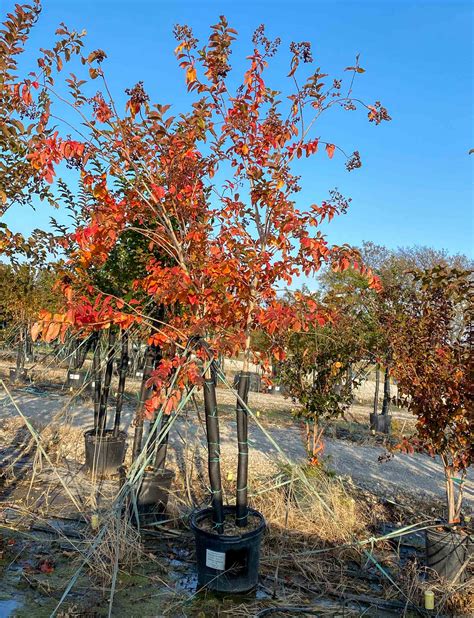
152	498
104	453
18	375
446	552
79	380
227	563
277	389
75	378
380	423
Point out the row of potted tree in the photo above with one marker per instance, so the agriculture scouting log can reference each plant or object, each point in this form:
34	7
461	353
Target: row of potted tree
183	226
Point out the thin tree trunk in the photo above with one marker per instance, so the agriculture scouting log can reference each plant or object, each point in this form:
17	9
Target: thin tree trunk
448	476
377	388
315	432
162	449
96	378
386	392
152	358
457	512
123	368
213	450
349	378
243	450
81	351
104	396
29	347
20	356
241	512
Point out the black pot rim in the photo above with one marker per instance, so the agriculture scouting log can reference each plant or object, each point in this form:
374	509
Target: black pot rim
202	514
92	435
158	474
443	528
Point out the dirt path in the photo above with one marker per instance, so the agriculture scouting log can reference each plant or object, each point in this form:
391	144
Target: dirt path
415	474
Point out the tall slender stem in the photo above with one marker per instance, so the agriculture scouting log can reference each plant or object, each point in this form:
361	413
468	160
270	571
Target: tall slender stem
377	388
243	452
386	392
213	451
96	378
104	396
123	368
20	363
152	357
162	449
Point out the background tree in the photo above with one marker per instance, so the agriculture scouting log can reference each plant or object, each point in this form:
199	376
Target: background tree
25	290
432	339
373	309
318	368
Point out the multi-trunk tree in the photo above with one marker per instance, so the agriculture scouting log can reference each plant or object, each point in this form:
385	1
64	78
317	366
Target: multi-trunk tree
213	191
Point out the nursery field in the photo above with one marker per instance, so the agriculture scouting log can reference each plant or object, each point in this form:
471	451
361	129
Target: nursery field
213	400
345	537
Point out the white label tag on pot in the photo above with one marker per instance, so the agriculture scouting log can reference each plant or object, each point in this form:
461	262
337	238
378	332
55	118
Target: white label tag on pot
74	376
215	560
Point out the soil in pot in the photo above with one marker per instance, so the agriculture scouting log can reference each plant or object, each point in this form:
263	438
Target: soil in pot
228	562
104	453
447	550
230	527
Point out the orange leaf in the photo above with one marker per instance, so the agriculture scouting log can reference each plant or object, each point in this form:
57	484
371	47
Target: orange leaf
35	330
190	75
52	332
330	148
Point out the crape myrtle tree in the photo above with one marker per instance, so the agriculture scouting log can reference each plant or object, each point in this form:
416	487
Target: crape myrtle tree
365	304
212	189
317	370
96	325
432	339
371	309
25	289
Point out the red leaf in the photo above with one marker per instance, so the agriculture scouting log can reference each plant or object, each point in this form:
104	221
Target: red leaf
46	566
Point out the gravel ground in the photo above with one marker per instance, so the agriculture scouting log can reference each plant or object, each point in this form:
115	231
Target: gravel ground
404	474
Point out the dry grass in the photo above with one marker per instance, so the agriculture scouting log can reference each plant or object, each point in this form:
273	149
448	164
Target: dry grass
450	599
314	522
119	545
60	440
317	508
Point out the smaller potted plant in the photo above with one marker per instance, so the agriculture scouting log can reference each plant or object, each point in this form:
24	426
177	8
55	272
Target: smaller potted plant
316	373
155	483
105	448
78	378
432	339
382	422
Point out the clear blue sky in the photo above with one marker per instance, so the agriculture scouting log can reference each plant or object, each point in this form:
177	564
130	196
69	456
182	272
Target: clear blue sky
415	186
